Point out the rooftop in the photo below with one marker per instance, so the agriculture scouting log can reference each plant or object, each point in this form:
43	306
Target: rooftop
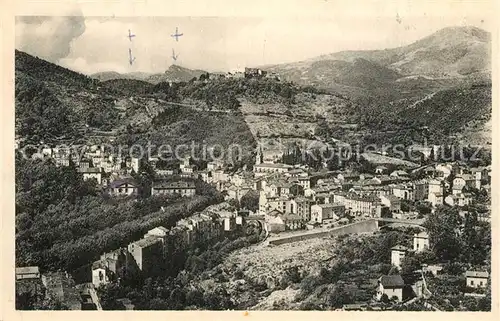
422	234
27	270
330	205
122	181
477	274
272	165
147	241
392	281
399	248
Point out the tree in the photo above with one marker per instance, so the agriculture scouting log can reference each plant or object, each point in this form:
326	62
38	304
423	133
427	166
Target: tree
250	201
443	227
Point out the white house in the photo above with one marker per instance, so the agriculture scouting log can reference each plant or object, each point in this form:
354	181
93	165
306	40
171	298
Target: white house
476	279
420	241
390	285
398	253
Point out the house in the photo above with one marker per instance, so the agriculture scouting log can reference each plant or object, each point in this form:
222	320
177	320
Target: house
275	224
368	205
267	168
420	189
399	174
465	180
100	274
182	188
323	212
381	169
420	241
461	199
146	253
435	186
60	286
348	176
254	73
278	203
456	190
398	253
123	187
159	232
134	164
303	208
293	222
444	170
404	191
27	272
476	279
390	285
392	202
92	173
436	199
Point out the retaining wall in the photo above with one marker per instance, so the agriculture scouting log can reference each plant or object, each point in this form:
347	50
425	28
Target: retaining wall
358	227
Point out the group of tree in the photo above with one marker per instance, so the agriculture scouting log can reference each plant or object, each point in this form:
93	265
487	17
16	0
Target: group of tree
64	222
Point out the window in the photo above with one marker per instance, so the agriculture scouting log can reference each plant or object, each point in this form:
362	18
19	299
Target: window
481	283
471	282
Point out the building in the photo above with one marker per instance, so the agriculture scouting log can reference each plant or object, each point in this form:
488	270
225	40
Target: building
267	168
169	188
293	222
420	241
404	191
92	173
363	205
398	253
436	199
323	212
392	202
159	232
275	223
435	186
390	285
421	190
399	174
254	73
27	272
134	164
303	208
107	268
461	199
146	253
465	180
123	187
100	274
476	279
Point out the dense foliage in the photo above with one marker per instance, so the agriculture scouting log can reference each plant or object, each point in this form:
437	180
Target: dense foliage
63	222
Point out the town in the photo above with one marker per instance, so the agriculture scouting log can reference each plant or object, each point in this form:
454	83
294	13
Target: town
287	202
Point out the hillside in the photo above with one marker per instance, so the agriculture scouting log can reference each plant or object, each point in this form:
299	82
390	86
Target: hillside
441	60
111	75
53	103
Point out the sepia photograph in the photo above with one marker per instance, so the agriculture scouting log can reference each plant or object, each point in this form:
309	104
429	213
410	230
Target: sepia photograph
253	163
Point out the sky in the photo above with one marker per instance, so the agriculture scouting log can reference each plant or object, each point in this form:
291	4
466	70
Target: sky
91	44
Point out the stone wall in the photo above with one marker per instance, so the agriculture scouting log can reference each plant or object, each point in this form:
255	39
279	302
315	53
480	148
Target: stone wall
358	227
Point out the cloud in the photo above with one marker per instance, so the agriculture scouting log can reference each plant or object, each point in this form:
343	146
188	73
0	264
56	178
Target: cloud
47	37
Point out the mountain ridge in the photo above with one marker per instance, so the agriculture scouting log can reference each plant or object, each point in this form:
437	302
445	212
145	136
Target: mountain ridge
451	54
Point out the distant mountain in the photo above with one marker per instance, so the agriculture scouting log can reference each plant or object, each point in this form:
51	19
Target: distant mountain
454	52
175	73
111	75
